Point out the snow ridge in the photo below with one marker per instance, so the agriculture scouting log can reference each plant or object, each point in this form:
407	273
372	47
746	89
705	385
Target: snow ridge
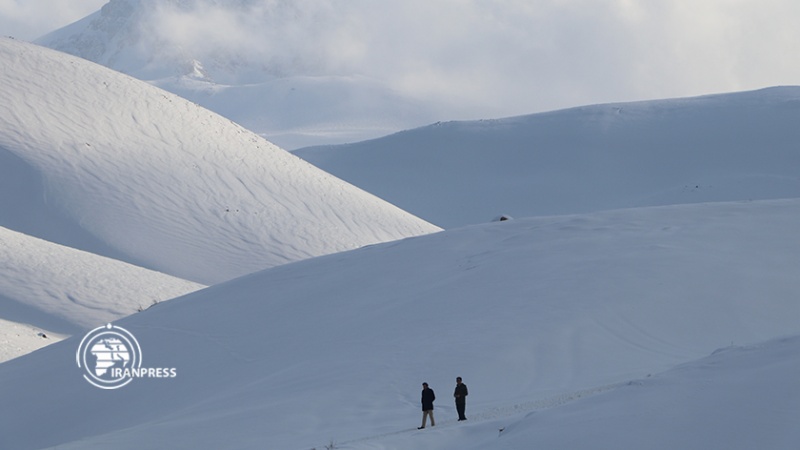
728	147
147	177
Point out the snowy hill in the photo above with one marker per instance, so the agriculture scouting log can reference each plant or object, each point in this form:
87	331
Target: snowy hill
553	316
737	398
740	146
272	81
649	327
98	161
48	291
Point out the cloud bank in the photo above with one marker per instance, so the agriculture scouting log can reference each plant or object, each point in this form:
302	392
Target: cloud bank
490	58
29	19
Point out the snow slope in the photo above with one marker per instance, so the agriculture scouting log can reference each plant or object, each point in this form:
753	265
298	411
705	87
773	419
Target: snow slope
48	291
279	81
738	398
551	315
139	38
740	146
98	161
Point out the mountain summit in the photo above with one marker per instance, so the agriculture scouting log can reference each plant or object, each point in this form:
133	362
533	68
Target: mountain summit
152	40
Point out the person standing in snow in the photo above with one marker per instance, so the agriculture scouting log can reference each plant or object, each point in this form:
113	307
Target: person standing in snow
427	405
461	398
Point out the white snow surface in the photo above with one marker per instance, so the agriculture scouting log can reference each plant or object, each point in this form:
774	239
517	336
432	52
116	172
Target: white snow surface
48	291
18	339
587	331
99	161
726	147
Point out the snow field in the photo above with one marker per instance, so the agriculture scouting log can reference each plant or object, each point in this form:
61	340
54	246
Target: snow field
527	311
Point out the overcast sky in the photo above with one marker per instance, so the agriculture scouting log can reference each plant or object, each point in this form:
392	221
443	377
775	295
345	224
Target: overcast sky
507	57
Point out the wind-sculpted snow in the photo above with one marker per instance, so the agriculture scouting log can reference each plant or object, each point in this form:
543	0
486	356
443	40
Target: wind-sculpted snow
48	291
123	169
555	317
729	147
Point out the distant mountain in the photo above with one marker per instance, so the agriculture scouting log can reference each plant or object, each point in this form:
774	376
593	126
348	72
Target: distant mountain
729	147
268	66
98	161
153	39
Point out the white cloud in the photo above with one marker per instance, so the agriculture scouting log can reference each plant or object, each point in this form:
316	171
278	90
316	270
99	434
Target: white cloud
29	19
538	55
490	58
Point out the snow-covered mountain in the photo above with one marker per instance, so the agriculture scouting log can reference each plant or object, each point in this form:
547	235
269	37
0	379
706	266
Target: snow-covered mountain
659	327
587	331
155	39
98	161
739	146
286	81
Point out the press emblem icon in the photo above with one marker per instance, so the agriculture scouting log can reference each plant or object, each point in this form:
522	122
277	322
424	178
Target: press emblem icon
108	356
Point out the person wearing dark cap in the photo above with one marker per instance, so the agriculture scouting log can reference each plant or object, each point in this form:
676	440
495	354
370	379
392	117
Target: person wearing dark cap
460	395
427	405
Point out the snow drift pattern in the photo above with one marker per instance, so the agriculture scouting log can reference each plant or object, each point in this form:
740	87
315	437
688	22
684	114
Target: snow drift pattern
142	175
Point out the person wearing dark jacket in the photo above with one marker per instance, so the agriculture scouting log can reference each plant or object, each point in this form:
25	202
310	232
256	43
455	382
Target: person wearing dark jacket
427	405
461	398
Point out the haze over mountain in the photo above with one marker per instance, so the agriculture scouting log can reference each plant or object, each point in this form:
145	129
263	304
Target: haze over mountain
274	82
347	70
